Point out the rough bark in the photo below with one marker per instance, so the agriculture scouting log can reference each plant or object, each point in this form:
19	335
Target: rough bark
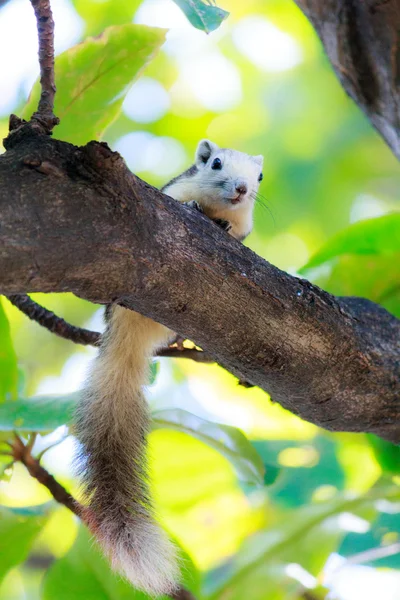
362	41
75	219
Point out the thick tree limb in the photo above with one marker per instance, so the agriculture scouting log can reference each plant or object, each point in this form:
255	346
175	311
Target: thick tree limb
75	219
362	40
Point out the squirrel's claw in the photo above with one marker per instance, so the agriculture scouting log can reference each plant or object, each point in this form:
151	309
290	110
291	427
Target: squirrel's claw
194	204
225	225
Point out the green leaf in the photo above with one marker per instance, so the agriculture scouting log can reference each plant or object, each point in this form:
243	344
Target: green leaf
202	15
39	413
375	277
93	77
84	574
387	454
227	440
18	530
279	542
379	236
8	361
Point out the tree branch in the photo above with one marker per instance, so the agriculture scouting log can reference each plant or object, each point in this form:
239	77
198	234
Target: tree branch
362	41
23	453
45	26
47	319
85	337
333	361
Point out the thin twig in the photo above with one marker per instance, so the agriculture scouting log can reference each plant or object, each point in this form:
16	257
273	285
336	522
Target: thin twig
53	323
22	452
45	26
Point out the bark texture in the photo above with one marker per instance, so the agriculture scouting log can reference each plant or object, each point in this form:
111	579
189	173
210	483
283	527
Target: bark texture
75	219
362	41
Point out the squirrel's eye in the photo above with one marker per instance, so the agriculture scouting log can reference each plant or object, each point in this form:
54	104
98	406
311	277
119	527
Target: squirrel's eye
216	164
261	177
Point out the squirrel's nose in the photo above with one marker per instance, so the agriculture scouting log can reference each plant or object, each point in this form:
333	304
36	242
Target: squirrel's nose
241	187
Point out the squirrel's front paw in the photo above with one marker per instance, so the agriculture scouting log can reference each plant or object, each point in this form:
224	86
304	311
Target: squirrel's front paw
225	225
195	205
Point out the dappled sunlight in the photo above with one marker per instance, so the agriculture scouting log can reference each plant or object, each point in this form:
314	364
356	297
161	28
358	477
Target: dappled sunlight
264	503
265	45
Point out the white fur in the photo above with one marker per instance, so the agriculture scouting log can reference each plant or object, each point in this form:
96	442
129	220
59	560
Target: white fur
147	559
205	186
112	419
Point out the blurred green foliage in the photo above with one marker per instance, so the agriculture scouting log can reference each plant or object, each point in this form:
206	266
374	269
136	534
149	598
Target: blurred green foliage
202	15
259	519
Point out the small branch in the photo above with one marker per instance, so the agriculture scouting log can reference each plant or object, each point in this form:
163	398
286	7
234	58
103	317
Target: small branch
53	323
22	453
45	26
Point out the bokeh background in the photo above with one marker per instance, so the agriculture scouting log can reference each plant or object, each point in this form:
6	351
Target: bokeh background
261	84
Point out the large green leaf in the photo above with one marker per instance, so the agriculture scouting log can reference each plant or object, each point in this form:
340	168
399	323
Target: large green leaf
227	440
84	574
375	277
18	530
93	77
39	413
378	236
8	361
202	15
278	543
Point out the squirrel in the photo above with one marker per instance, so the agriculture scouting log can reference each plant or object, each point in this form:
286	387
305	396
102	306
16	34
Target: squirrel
112	418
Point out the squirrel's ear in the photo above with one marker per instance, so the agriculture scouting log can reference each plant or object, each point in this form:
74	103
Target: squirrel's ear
259	159
204	151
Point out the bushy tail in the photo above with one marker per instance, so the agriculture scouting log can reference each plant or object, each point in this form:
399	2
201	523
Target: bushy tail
112	424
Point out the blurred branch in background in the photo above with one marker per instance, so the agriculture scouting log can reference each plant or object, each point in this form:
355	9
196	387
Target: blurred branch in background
362	41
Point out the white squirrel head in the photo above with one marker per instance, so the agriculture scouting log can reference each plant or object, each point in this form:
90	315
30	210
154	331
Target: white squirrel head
228	176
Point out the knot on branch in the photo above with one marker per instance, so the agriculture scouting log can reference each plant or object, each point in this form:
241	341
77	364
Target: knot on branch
20	128
46	119
102	157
